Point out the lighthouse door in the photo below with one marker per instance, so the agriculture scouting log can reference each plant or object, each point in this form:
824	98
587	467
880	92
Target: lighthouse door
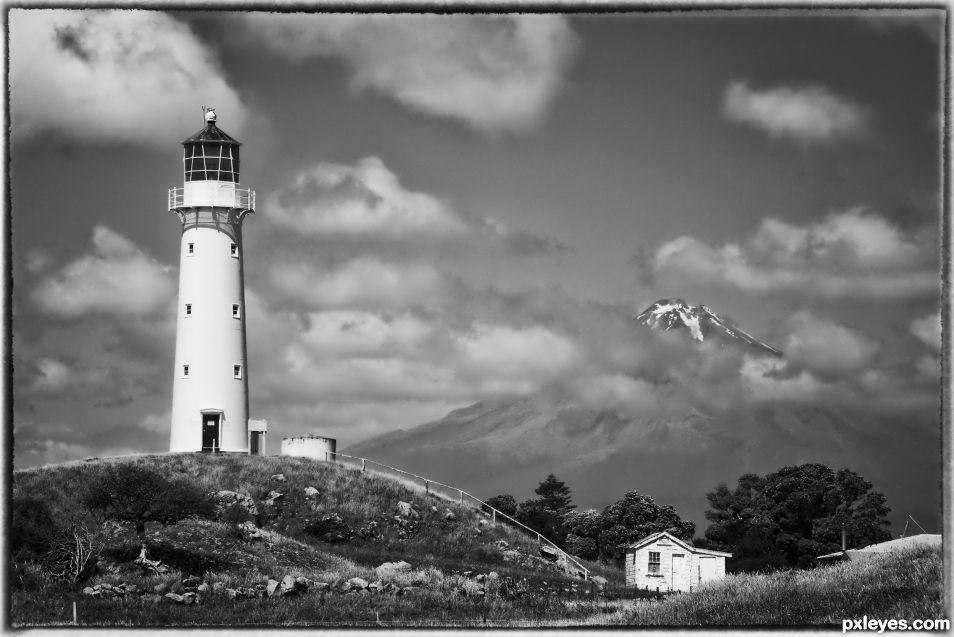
210	433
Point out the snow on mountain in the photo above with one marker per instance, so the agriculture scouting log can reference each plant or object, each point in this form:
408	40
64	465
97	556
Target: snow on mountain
702	322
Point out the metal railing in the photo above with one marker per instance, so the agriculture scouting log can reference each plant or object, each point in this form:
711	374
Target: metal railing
453	493
244	198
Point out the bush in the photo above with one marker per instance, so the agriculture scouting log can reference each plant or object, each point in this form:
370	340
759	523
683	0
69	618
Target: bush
72	555
32	528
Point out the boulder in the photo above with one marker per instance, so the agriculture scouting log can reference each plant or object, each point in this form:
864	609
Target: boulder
250	532
293	585
482	523
493	575
406	510
279	477
272	587
375	586
226	499
311	492
202	588
273	498
549	553
390	568
449	515
89	590
344	587
172	597
598	580
358	582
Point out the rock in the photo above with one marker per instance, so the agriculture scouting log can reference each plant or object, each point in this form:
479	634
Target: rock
598	580
172	597
217	586
391	587
344	587
294	585
433	509
449	515
468	573
480	577
406	510
331	528
503	544
358	582
273	498
189	598
512	555
191	583
272	588
492	575
250	532
202	588
375	586
232	593
226	499
311	492
279	477
483	523
89	591
550	553
390	568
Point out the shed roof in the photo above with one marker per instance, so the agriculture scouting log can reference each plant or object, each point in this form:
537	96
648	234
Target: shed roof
649	539
923	539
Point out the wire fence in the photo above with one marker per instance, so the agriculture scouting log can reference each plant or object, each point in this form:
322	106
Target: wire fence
453	494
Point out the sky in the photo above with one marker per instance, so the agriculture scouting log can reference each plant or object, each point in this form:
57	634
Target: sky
452	208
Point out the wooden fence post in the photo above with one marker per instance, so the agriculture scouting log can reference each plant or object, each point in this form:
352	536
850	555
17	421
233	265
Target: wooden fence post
362	464
461	496
427	487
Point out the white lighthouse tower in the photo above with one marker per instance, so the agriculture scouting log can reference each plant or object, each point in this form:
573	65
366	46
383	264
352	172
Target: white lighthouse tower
210	387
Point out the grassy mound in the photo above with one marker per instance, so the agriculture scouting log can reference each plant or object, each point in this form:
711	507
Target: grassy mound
447	545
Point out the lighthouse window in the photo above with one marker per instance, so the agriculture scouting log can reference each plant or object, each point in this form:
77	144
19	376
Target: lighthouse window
188	309
211	162
233	250
190	248
185	370
237	371
235	311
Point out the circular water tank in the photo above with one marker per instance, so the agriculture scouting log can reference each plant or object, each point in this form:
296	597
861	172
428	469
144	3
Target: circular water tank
317	447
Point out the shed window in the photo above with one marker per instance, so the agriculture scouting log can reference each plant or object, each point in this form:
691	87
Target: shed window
653	561
237	371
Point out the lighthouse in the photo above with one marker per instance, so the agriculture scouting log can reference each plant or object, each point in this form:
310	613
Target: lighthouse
210	386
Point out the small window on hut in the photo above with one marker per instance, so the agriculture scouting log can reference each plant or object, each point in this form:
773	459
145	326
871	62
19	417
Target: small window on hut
653	562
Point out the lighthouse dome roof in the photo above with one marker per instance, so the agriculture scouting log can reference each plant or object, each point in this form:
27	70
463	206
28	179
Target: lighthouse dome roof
212	133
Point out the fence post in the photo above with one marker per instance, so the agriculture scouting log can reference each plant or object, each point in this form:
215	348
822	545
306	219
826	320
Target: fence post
362	464
539	540
427	487
494	515
461	496
326	456
74	613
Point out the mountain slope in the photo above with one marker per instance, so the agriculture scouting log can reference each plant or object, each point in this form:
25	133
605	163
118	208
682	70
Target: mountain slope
700	321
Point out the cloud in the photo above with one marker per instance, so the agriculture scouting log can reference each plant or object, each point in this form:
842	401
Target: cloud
367	202
111	76
928	330
363	282
852	254
494	73
807	115
827	350
114	277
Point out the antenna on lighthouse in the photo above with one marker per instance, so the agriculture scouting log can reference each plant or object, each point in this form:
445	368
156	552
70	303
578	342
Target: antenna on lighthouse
209	112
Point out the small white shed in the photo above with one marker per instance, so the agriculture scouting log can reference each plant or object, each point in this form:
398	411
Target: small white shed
663	562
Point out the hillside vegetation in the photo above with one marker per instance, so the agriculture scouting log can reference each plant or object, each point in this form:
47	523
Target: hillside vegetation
331	530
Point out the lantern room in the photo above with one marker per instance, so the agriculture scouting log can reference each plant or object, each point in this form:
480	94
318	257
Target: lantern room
211	154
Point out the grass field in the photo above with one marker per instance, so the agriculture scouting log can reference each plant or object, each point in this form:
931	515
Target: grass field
446	557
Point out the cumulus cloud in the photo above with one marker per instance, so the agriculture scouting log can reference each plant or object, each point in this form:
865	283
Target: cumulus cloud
363	282
852	254
826	349
111	76
494	73
113	277
367	202
928	330
807	115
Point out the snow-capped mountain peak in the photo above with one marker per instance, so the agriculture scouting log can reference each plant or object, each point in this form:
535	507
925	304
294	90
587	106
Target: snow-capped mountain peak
701	321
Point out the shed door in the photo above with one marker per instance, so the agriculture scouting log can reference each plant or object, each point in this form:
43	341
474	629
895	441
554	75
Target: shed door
680	572
707	568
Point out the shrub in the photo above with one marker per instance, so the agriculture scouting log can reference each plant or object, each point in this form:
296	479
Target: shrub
32	528
72	555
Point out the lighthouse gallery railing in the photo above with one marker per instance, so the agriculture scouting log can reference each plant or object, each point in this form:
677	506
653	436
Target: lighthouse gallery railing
244	198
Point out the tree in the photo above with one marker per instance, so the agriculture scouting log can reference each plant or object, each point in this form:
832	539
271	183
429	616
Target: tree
583	533
634	517
555	495
793	515
542	520
504	503
131	493
32	527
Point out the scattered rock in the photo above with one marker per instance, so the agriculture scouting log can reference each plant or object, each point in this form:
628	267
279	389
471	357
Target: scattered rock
512	555
492	575
293	585
599	581
449	515
331	528
480	577
390	568
250	532
375	586
503	544
279	477
203	587
272	588
273	498
433	509
226	499
311	492
172	597
358	582
483	523
550	553
344	587
406	510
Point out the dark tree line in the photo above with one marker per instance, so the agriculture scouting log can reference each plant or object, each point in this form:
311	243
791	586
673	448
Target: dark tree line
784	519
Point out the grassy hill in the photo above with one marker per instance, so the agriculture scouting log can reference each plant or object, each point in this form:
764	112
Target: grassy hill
346	530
